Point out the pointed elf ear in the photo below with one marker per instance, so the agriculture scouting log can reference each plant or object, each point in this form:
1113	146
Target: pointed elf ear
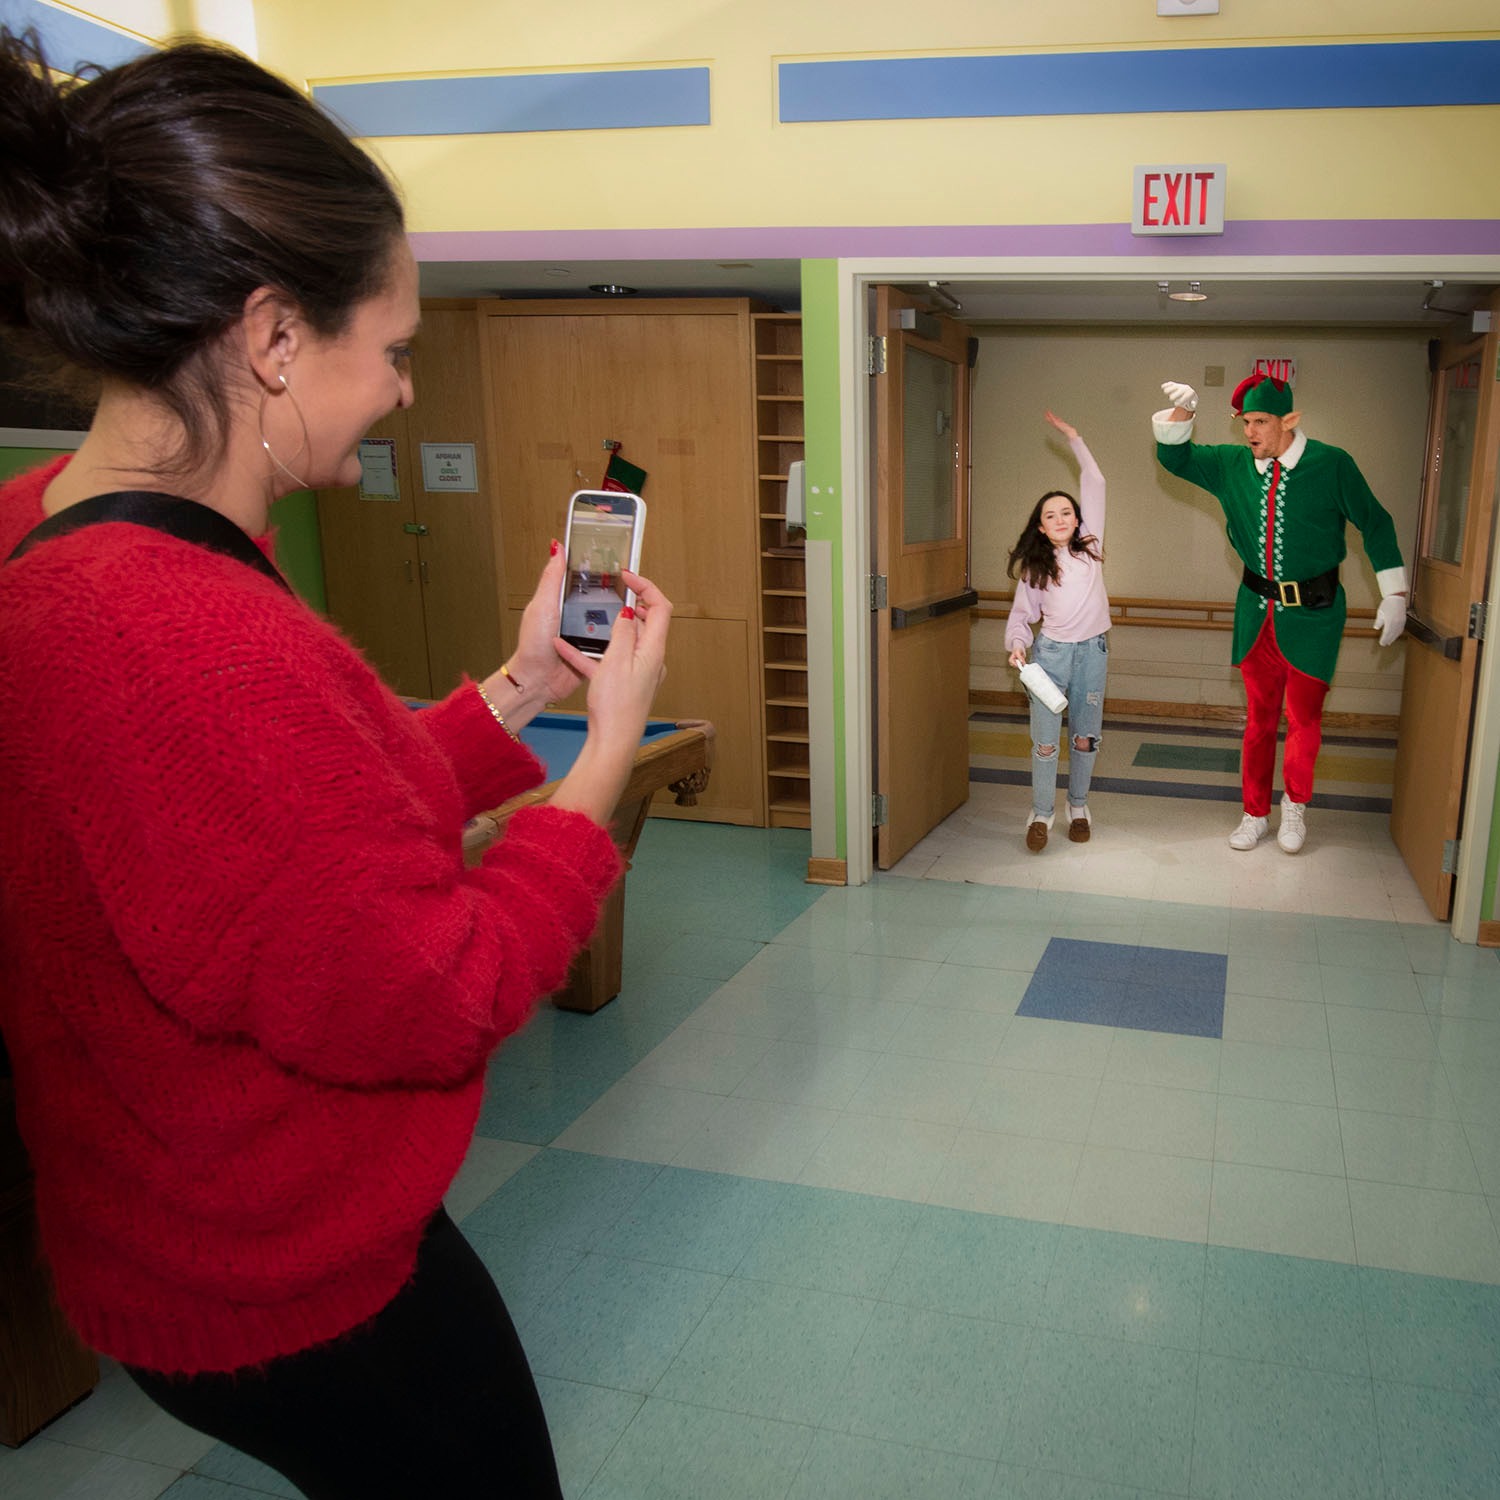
1291	419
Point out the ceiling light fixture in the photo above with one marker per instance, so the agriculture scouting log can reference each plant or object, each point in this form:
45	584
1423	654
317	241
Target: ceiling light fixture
1194	293
557	272
612	289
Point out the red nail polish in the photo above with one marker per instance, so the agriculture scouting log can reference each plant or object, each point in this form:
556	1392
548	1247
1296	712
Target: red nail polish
556	547
627	613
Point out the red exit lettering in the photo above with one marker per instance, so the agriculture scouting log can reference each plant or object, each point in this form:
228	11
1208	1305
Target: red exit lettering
1466	377
1182	198
1277	369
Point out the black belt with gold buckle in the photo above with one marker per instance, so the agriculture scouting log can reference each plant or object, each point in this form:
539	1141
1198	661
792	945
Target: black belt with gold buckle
1317	592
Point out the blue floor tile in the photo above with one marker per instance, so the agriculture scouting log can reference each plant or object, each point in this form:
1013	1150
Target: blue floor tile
586	1422
1170	990
230	1466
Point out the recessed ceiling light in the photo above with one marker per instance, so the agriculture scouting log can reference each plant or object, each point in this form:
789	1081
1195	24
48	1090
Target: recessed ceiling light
558	272
612	289
736	265
1194	293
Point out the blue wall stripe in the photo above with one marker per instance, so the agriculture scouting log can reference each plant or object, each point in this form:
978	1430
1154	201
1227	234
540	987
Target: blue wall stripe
1374	76
518	102
68	40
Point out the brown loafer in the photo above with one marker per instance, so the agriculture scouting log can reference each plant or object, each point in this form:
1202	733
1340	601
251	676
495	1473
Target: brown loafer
1078	830
1036	836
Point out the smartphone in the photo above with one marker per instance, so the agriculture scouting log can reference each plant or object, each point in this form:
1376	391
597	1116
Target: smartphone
603	535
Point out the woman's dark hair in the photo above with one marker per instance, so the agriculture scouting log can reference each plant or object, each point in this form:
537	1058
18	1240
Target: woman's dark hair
140	207
1034	558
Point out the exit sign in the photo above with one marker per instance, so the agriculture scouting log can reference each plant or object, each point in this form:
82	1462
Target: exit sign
1178	200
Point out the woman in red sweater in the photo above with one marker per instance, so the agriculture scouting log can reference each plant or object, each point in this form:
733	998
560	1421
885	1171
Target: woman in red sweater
247	985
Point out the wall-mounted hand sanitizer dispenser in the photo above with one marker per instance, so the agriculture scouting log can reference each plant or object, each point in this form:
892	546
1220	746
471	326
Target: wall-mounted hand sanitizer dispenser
796	496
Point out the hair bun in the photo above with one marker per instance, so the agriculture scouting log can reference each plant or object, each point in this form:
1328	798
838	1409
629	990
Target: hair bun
50	191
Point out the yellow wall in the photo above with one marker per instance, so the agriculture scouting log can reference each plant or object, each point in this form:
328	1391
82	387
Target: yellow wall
746	169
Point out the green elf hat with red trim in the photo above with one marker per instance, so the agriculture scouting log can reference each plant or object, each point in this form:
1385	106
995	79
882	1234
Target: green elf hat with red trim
1261	393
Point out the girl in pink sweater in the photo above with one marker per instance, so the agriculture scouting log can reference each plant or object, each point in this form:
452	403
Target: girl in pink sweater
1058	565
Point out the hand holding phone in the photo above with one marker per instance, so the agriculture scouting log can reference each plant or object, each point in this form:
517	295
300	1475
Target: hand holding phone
603	537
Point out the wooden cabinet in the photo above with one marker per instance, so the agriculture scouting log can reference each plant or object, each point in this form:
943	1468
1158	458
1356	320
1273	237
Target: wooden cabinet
779	441
412	579
668	379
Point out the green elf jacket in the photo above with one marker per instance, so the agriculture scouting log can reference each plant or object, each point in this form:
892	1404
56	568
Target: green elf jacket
1321	488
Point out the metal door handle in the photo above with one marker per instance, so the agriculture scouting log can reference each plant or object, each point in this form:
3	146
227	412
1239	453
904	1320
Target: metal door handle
1449	646
902	618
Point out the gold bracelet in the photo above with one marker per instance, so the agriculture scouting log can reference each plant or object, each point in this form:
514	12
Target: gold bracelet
499	717
505	673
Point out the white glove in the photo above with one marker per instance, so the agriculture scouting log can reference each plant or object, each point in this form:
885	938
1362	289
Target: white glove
1390	618
1180	395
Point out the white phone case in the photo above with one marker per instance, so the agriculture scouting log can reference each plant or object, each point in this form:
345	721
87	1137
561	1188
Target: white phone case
592	598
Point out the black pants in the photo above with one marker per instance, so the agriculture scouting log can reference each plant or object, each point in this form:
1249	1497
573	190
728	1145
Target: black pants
432	1397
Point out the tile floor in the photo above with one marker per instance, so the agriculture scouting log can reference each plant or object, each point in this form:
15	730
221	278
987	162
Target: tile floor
816	1210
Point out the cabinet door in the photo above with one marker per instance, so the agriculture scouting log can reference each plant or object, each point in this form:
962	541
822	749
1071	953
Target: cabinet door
371	573
460	595
671	384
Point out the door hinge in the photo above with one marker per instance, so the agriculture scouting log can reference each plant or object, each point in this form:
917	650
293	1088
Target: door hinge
878	593
1451	848
1479	619
877	810
875	355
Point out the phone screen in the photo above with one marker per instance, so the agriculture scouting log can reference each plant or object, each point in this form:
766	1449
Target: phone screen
602	539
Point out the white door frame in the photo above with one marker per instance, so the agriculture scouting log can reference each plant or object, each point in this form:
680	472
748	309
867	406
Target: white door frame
855	275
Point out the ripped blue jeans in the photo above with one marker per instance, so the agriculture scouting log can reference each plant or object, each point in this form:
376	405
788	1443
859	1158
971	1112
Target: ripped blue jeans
1079	668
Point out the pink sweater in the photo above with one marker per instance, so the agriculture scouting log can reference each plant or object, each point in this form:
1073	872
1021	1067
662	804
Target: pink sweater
1075	608
247	985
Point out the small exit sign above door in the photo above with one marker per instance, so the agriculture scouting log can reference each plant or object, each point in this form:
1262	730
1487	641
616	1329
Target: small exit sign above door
1178	200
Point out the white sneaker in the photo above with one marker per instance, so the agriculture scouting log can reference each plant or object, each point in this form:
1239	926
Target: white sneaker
1250	832
1293	830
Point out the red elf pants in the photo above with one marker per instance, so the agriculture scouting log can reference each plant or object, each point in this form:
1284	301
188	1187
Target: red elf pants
1269	678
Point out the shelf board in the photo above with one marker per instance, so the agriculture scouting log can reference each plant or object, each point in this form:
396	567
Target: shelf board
786	666
785	593
780	478
780	359
785	629
787	400
790	737
791	804
791	773
781	437
786	701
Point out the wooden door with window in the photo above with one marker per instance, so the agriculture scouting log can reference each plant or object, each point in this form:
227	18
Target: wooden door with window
921	551
1449	579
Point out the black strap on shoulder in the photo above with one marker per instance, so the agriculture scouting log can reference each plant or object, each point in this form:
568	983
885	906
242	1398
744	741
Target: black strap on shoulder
187	520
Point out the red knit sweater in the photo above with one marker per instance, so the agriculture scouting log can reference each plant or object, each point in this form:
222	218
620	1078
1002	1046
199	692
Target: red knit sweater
247	985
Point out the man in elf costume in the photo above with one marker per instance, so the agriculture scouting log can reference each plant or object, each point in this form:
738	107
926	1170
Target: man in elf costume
1286	499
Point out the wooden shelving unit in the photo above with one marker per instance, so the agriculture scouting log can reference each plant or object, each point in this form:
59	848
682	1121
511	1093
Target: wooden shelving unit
779	441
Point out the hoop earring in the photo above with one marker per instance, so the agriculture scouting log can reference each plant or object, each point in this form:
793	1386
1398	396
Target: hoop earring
265	442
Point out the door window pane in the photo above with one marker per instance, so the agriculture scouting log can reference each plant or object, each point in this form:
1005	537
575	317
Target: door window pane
1445	540
929	493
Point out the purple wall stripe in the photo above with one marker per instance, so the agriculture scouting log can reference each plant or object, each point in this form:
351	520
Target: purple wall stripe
1353	237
